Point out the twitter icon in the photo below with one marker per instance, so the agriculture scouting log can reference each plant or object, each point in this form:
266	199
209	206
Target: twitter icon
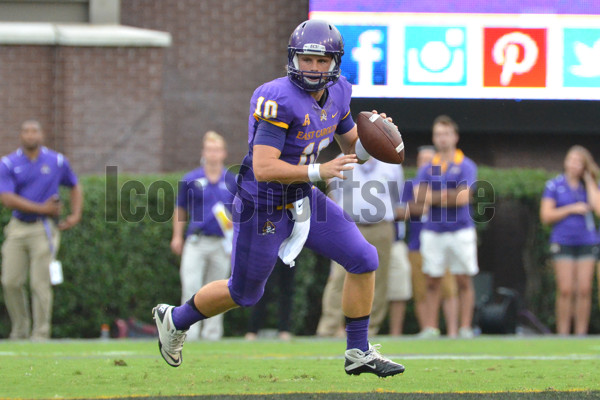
581	58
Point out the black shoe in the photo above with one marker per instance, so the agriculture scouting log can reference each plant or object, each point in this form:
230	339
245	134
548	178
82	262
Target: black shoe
370	361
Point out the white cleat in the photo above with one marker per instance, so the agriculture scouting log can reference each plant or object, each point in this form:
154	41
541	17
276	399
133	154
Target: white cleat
370	361
170	340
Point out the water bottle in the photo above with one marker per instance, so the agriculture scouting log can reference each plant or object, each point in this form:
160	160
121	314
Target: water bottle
104	332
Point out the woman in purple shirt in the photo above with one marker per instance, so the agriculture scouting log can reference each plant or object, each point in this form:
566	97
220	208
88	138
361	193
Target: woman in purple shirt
568	204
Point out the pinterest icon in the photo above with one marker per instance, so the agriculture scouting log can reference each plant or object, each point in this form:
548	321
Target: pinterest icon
514	57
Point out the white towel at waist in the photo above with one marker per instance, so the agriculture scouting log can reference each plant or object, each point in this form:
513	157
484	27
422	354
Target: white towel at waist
291	246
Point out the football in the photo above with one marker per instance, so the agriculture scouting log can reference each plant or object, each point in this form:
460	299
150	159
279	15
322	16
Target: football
380	138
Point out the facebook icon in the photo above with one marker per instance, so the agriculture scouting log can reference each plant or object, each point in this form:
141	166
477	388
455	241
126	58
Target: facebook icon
365	59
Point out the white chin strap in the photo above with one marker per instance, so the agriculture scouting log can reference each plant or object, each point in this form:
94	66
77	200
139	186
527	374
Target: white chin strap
295	61
333	64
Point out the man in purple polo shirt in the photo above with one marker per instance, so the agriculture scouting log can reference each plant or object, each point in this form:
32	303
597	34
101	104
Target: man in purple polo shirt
418	214
448	237
29	182
276	211
204	195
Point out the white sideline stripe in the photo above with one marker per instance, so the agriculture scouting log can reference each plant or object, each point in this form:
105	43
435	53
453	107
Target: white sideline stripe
567	357
491	357
83	355
573	357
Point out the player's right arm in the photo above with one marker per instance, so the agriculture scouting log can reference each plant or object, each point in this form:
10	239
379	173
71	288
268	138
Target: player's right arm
269	167
180	217
51	207
10	199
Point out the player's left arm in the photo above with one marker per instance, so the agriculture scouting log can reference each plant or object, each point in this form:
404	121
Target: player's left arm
592	190
347	141
69	179
76	201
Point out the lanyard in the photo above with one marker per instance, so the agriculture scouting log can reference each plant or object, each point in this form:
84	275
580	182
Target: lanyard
49	235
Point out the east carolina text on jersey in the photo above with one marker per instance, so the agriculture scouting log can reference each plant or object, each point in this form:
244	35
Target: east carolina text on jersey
310	129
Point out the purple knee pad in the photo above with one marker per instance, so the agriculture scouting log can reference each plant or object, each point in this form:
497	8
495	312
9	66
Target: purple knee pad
246	293
362	261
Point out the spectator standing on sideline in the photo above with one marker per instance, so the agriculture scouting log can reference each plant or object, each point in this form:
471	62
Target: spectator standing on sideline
568	204
203	195
399	281
449	292
282	278
369	194
448	237
29	185
276	211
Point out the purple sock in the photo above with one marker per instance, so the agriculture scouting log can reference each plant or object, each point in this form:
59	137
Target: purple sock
186	315
357	330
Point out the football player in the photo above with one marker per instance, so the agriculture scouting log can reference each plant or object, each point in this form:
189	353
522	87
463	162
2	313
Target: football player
277	210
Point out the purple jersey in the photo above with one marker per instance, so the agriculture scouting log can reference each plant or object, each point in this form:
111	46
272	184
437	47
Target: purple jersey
197	195
309	128
574	229
36	180
462	171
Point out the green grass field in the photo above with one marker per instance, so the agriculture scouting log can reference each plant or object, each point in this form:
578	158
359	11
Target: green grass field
123	368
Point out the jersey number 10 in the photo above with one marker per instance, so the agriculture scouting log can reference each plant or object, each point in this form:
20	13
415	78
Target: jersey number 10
270	111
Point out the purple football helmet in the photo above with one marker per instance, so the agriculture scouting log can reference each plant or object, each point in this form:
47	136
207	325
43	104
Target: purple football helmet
320	38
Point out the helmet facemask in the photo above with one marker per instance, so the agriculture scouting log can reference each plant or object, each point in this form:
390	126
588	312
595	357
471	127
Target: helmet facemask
313	80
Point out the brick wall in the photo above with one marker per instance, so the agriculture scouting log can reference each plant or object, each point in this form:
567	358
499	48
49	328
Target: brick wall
98	105
221	51
26	87
111	107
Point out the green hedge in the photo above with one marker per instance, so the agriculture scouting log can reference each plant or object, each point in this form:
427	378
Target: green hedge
118	263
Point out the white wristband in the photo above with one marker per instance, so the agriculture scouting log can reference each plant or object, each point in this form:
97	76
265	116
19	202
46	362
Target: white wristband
313	172
360	151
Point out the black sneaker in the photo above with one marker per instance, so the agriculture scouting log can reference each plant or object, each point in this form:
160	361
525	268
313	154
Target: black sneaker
370	361
170	340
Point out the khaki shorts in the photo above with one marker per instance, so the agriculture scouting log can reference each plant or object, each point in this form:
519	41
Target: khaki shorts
399	281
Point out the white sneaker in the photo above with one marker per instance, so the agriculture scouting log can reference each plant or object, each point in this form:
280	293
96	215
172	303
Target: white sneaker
429	333
170	340
370	361
466	333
